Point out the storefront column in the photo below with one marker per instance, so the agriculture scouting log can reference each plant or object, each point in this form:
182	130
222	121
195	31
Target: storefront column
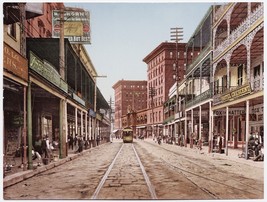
29	123
185	130
226	131
62	129
247	127
90	128
200	135
82	124
24	128
86	126
210	128
192	129
76	121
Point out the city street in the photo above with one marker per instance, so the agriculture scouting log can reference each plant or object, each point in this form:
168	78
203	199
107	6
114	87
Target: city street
169	173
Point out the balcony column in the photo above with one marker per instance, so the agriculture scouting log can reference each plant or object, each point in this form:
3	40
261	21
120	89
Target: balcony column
185	130
226	131
76	121
200	135
82	124
228	74
86	126
210	128
200	79
248	60
192	129
247	127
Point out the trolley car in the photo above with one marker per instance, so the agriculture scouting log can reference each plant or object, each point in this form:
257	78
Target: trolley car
127	135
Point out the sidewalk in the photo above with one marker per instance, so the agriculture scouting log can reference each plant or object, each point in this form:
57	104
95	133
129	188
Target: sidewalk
17	174
232	153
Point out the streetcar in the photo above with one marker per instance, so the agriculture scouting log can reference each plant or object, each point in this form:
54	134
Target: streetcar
127	135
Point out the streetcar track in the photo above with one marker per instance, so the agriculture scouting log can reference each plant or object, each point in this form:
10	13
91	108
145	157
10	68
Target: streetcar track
100	185
150	187
106	175
206	178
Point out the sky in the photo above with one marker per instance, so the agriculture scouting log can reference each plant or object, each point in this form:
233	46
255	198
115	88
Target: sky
123	34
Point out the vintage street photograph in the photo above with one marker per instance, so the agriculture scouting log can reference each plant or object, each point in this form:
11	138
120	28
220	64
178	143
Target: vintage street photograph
133	100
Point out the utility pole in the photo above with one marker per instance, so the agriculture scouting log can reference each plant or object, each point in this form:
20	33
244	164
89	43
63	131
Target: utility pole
110	118
62	111
152	93
176	36
23	53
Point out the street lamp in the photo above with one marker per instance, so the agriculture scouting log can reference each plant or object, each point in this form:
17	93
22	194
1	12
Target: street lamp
176	36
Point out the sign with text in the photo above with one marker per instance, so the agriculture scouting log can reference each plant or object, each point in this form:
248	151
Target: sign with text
234	94
15	63
47	71
76	26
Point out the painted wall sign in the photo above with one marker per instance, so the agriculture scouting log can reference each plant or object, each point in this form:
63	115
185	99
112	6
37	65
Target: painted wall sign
15	63
47	71
236	93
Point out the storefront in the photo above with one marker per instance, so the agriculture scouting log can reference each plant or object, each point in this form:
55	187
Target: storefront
14	103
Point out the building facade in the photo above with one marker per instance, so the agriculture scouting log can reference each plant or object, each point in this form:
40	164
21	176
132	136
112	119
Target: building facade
42	97
238	67
160	63
130	95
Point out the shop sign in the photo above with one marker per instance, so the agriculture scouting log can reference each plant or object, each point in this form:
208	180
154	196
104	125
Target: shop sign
231	111
47	71
257	109
78	99
76	26
15	63
236	93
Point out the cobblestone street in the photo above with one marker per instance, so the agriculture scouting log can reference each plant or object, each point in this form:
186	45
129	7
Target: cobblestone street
173	173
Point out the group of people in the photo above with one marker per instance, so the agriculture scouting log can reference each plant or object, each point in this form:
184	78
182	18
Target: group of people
42	149
80	143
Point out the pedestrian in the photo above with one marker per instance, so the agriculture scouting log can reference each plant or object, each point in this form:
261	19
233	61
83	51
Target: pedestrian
70	140
38	145
75	140
80	144
97	140
46	147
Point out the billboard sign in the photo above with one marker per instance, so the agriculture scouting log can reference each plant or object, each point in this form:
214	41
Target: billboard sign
76	26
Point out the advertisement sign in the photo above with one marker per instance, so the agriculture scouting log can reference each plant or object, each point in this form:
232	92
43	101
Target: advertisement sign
15	63
47	71
76	26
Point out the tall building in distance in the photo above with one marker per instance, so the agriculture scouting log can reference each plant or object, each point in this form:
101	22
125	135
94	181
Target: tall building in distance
160	71
129	94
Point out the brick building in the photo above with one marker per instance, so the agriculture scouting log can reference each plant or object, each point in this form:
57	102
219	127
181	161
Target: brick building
160	72
129	94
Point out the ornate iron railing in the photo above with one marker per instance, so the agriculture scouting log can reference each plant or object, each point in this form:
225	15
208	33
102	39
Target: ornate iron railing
239	31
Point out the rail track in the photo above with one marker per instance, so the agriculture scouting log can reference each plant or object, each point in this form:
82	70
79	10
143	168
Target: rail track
210	180
125	178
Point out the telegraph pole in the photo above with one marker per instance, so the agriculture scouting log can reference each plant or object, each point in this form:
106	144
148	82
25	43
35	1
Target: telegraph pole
176	36
152	94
